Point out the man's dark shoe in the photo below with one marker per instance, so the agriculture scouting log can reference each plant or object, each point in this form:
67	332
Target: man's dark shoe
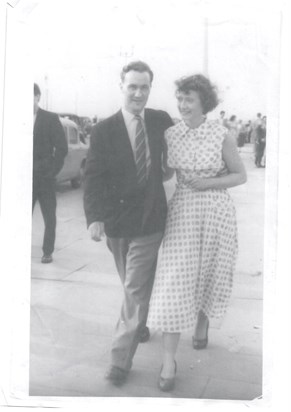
116	375
47	259
144	335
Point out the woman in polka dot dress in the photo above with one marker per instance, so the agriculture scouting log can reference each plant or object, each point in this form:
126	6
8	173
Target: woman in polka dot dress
195	272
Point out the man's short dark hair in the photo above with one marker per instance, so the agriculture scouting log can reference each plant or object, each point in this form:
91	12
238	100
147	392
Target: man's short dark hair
137	66
36	90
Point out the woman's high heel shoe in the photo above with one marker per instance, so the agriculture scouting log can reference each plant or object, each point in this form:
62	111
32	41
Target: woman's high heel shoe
167	384
201	343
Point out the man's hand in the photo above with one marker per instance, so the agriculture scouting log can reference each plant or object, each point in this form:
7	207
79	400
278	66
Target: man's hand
96	230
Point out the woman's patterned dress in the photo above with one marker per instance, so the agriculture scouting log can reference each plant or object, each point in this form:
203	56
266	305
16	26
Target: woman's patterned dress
197	261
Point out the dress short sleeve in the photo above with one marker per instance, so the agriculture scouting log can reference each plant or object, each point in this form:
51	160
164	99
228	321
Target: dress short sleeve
169	137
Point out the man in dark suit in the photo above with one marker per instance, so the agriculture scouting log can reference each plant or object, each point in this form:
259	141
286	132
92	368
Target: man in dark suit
49	150
124	196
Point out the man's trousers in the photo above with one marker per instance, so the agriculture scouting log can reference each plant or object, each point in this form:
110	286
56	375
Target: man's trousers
44	192
136	261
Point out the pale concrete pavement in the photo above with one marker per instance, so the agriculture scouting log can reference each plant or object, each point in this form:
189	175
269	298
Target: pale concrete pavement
75	303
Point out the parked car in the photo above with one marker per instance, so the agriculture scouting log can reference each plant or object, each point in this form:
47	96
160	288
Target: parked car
73	169
80	122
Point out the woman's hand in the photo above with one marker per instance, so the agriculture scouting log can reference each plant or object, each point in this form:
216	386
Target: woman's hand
235	176
199	183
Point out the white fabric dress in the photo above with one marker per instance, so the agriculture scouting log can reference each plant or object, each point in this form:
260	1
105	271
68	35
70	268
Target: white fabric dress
197	260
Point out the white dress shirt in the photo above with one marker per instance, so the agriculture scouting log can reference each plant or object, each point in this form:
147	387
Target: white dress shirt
130	123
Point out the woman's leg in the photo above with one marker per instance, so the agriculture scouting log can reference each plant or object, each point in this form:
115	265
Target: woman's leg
170	344
201	326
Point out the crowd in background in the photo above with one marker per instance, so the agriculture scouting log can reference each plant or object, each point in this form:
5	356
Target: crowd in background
250	132
243	132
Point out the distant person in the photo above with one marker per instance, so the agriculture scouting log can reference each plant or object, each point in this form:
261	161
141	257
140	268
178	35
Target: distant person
222	120
248	131
260	142
82	137
259	119
233	127
124	196
257	122
195	273
49	150
88	127
242	134
264	124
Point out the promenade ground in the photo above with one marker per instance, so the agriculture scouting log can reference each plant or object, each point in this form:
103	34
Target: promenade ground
75	303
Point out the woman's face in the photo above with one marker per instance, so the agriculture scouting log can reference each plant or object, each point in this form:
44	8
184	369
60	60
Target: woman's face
189	105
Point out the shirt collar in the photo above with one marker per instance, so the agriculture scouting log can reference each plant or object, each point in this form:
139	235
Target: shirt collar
128	117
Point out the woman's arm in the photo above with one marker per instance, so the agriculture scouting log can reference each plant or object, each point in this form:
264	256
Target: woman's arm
167	173
236	170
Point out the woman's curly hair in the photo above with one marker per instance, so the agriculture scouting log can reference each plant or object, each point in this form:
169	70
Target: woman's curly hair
200	84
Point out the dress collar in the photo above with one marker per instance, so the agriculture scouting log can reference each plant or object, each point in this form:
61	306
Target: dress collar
185	129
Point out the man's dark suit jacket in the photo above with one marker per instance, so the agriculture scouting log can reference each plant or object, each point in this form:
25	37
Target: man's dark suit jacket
112	194
49	144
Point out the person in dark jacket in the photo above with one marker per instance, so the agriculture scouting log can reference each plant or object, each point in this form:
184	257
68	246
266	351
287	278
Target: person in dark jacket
260	142
49	150
124	196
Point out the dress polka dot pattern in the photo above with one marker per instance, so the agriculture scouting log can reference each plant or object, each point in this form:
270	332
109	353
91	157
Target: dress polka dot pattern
197	261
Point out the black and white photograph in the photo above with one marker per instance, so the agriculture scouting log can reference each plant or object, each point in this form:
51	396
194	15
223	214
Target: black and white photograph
139	202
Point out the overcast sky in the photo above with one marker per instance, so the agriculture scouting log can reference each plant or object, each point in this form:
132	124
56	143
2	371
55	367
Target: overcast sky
79	48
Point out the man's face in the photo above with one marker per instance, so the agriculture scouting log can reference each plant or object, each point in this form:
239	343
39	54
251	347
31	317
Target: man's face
135	88
35	102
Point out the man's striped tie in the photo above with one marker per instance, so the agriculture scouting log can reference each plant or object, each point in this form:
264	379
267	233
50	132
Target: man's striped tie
140	152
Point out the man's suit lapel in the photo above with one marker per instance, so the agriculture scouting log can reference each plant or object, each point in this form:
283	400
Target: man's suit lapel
150	133
122	142
123	146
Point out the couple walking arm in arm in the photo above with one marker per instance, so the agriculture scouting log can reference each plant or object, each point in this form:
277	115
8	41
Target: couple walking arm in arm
124	197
